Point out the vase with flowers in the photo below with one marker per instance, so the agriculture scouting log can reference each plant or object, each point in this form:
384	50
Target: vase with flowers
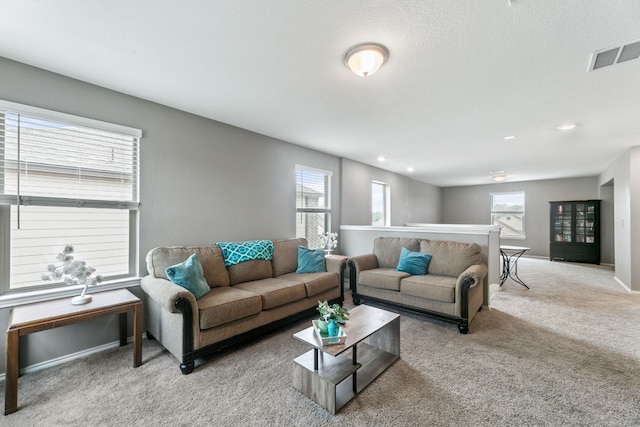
328	241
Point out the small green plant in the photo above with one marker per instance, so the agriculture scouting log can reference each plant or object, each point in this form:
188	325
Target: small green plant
336	312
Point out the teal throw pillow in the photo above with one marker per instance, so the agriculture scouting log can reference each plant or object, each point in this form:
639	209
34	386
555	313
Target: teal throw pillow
310	261
415	263
189	275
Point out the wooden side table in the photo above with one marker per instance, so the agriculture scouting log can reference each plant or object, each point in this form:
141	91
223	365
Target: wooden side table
29	318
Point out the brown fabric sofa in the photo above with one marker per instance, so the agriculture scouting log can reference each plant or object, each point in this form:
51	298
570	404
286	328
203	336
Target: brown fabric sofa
451	290
245	300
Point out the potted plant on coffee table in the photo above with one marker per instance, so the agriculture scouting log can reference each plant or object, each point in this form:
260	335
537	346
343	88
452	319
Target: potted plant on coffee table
328	313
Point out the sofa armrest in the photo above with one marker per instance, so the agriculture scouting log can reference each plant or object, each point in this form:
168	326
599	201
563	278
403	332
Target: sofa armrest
336	263
166	293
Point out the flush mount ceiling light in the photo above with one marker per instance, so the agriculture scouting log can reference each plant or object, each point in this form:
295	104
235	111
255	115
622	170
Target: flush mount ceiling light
381	158
567	126
498	176
365	59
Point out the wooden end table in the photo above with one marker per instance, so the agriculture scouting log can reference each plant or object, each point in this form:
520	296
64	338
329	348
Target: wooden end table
322	374
29	318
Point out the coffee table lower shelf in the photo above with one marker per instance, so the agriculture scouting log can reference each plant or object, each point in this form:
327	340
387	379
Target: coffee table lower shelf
333	380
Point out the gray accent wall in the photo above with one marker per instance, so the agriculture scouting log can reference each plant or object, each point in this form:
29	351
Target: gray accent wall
472	205
411	201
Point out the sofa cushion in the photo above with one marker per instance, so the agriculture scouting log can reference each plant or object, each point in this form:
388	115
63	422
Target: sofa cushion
210	256
431	286
315	283
250	270
450	258
239	252
189	275
387	249
310	260
382	278
285	255
275	291
227	304
413	262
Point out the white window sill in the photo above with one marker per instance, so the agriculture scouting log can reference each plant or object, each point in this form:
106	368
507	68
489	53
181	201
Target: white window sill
28	297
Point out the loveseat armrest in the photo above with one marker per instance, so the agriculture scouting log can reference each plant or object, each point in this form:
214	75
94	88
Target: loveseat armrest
475	272
364	262
356	265
470	278
166	293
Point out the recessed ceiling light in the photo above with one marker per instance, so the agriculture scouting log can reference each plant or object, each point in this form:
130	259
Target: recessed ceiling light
509	137
409	169
567	126
381	158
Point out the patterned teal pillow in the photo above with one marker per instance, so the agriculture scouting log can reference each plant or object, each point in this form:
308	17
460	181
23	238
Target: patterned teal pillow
415	263
237	252
310	261
189	275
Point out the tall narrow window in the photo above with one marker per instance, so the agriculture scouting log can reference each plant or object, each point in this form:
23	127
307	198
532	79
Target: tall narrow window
507	211
380	204
313	204
65	180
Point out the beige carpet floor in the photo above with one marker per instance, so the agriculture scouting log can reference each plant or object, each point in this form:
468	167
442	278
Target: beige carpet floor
564	353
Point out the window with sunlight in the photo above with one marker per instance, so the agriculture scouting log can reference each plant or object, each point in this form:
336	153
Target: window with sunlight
65	180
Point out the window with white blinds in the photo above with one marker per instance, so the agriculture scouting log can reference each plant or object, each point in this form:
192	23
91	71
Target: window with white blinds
65	180
313	204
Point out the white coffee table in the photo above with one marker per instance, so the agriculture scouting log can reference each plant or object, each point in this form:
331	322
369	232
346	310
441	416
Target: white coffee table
322	374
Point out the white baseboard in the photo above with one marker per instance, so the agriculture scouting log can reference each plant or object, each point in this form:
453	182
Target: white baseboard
621	283
70	357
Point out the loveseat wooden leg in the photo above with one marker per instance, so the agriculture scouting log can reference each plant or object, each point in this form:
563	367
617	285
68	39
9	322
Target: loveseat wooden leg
463	328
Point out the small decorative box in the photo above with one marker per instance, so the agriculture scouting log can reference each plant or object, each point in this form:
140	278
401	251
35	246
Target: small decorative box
325	339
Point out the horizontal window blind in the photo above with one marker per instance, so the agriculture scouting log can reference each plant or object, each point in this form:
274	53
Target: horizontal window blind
313	204
66	180
43	158
313	189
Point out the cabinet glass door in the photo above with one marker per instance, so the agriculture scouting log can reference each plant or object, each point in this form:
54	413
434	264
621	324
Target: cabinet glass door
562	222
589	228
580	222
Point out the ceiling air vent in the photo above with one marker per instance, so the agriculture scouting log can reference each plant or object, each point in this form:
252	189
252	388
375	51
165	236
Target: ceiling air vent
616	55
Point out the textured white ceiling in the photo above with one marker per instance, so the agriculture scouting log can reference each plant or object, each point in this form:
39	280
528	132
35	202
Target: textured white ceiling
461	76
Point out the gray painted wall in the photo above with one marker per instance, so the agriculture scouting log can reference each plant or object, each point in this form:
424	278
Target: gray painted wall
201	181
624	175
411	201
472	205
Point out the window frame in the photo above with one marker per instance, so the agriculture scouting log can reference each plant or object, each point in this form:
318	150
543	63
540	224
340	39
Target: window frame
8	296
386	203
520	213
326	210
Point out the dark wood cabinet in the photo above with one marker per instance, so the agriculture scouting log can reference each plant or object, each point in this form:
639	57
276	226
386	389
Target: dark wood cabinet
575	231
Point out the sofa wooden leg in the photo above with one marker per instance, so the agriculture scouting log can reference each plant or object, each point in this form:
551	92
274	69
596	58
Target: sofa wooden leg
463	328
187	368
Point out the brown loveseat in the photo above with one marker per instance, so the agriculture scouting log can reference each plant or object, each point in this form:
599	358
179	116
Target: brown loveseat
451	290
245	300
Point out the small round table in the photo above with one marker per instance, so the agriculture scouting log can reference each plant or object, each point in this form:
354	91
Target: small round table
510	256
